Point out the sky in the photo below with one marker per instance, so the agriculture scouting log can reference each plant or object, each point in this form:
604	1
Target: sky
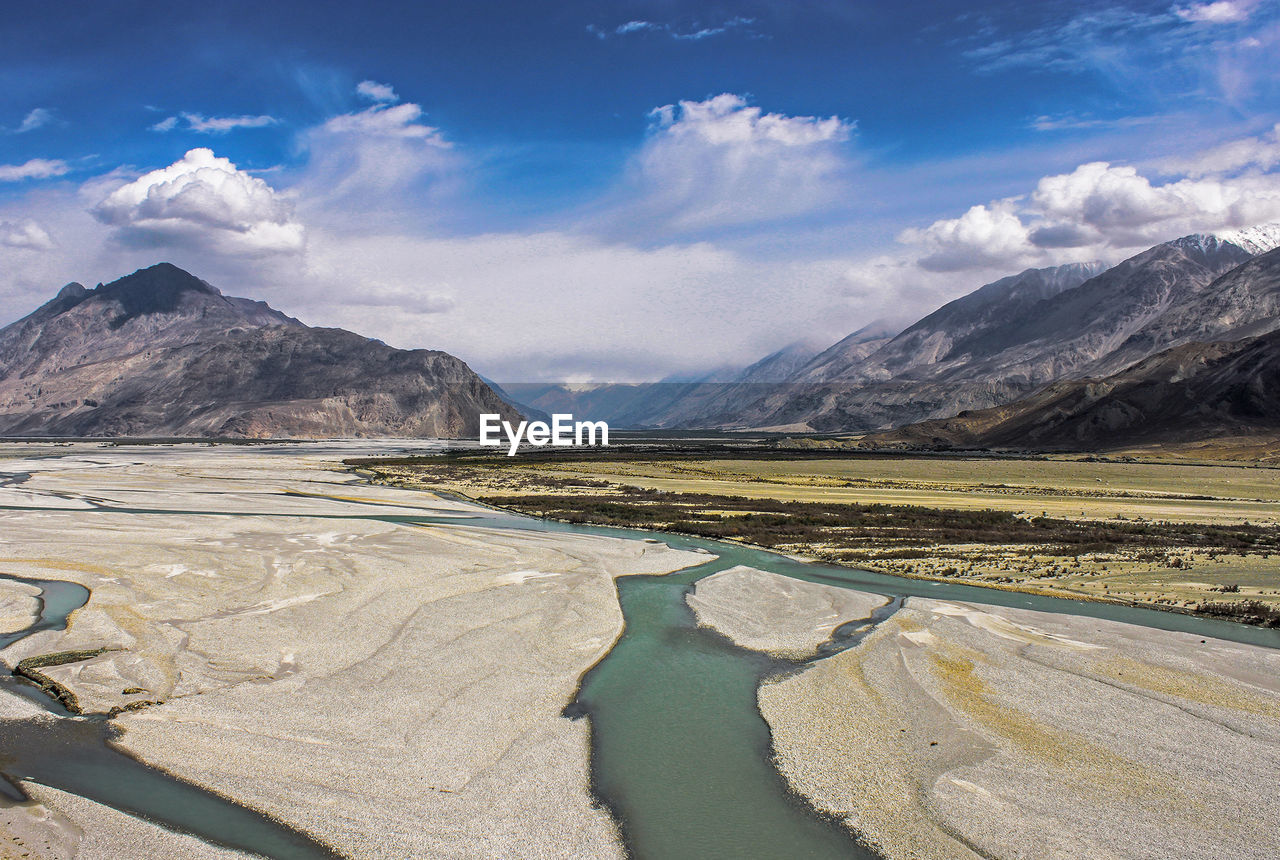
622	191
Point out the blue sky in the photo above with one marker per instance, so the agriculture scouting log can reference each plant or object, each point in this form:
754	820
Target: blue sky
622	190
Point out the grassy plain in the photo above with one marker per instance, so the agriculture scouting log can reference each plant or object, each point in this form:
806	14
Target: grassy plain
1192	536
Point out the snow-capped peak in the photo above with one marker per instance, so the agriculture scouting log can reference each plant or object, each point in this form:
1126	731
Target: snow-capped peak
1255	240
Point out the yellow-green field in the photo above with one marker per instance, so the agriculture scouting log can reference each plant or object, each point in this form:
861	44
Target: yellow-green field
1075	490
1057	488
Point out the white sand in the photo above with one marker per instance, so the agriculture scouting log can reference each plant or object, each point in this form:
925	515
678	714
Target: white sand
776	614
394	690
1055	737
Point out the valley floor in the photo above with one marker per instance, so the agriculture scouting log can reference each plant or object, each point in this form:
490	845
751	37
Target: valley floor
395	687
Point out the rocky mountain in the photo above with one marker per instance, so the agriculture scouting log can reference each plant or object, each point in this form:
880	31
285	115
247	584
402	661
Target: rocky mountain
1015	335
788	362
162	353
846	353
1192	391
955	331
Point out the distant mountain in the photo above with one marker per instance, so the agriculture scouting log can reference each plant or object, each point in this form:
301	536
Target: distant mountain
782	365
1012	336
669	402
163	353
1193	391
842	355
961	330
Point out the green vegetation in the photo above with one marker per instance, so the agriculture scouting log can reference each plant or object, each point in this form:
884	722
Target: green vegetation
772	523
29	669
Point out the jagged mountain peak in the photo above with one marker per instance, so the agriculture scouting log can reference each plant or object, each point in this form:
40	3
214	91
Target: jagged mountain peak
156	289
1256	240
1252	240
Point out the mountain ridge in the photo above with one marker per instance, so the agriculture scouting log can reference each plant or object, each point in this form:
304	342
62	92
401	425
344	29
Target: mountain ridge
161	352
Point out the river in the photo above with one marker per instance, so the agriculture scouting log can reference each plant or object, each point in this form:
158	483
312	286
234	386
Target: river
680	753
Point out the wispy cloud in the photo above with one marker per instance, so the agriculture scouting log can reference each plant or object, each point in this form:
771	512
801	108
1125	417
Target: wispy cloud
202	124
1220	12
36	168
690	33
1220	52
37	118
377	92
1073	122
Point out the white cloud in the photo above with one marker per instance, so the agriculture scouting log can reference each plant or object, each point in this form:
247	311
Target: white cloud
693	33
36	168
1261	152
381	160
554	305
636	27
388	121
202	201
1104	211
1220	12
1123	209
37	118
377	92
25	234
722	162
213	124
983	237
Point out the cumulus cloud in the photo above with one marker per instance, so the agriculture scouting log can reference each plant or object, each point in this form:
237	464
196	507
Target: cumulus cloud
25	234
213	124
722	162
36	168
1103	210
206	202
1123	209
982	237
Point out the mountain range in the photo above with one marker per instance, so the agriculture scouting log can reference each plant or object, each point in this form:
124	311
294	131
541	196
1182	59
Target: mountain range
995	346
1179	339
162	353
1194	391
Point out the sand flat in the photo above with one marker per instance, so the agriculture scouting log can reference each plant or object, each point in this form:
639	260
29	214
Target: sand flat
957	727
392	689
774	613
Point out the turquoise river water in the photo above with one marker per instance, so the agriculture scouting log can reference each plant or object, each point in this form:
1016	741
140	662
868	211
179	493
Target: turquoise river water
680	753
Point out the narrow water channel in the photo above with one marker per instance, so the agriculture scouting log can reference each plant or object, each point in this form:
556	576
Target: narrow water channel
75	754
680	753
